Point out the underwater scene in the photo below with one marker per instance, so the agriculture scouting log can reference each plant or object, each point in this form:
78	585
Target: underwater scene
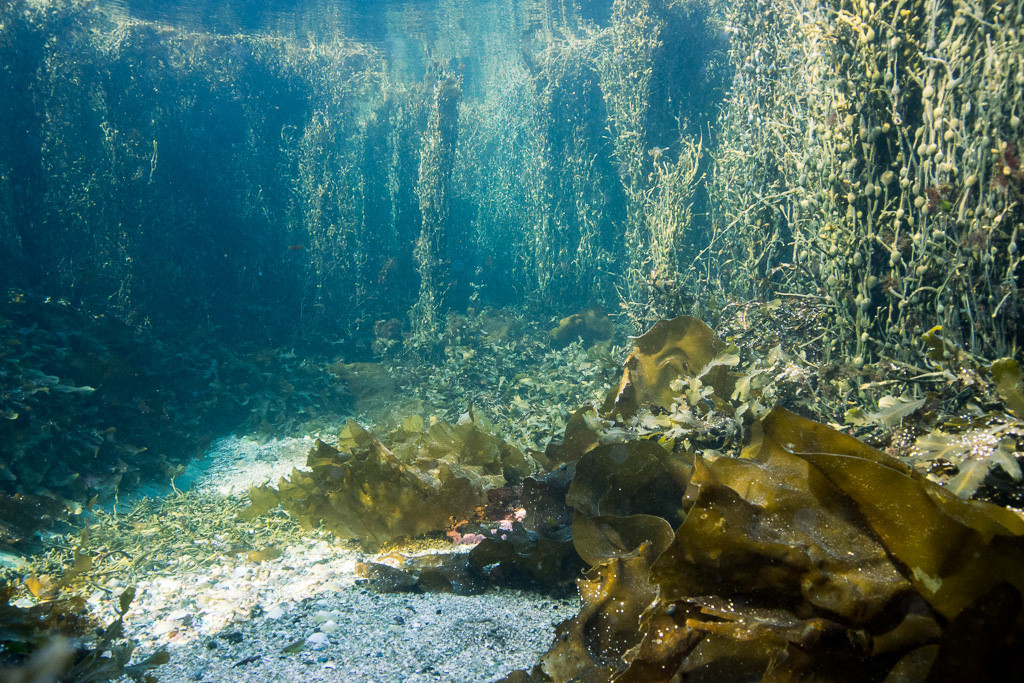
535	341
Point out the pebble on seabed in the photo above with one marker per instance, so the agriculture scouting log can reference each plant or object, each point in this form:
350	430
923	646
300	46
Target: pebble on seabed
317	640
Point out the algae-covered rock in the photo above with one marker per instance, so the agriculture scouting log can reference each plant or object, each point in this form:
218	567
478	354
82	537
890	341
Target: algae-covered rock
22	516
522	557
427	573
590	327
543	499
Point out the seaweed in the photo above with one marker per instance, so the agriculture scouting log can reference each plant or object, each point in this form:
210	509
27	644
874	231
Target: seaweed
369	383
955	550
808	554
41	640
1007	376
581	434
679	349
975	452
810	550
637	477
891	411
587	647
377	494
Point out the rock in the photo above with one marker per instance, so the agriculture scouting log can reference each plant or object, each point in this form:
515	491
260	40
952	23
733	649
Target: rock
317	641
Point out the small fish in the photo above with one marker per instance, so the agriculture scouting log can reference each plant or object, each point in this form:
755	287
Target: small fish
295	247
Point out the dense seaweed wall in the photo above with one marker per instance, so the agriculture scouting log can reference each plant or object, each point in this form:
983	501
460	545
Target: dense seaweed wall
170	176
870	159
290	183
347	173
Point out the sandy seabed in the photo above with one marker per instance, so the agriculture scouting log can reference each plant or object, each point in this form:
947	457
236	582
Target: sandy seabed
305	617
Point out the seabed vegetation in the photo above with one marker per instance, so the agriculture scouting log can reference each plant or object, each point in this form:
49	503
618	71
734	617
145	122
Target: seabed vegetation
689	429
706	312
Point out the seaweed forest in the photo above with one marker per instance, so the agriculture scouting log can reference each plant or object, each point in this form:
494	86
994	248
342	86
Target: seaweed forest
363	175
706	311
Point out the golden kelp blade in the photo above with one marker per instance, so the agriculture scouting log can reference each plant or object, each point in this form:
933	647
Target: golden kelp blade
956	550
672	349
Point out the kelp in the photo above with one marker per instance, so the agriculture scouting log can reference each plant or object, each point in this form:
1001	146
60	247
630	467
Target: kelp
807	555
637	477
21	627
811	556
614	596
375	493
679	349
955	550
503	364
606	537
1006	374
580	436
